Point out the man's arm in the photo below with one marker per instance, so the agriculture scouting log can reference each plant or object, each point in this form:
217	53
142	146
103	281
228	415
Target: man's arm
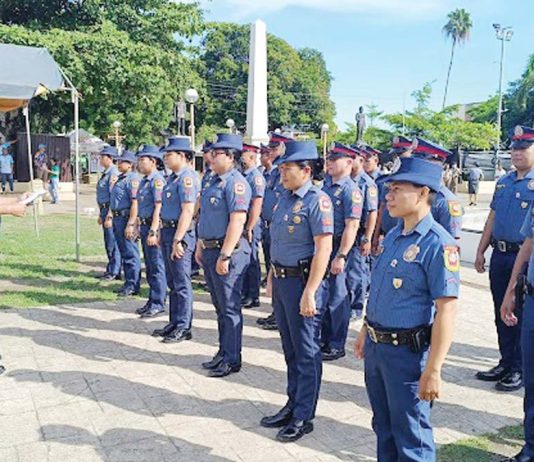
484	243
234	231
254	212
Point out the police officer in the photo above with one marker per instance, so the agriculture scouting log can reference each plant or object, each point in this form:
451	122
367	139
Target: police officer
122	217
347	201
273	191
207	156
266	170
372	159
178	237
410	315
222	250
358	268
107	178
446	208
301	244
502	231
149	199
251	284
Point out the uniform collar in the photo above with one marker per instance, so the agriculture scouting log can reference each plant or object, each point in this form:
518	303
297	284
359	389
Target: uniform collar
151	176
529	175
250	170
341	181
268	172
422	228
108	169
226	175
301	192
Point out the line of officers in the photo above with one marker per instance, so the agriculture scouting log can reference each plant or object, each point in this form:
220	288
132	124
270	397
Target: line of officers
322	235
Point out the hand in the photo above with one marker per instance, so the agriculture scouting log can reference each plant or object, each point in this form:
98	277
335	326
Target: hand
153	241
338	265
178	251
308	308
99	220
249	234
429	385
109	222
222	267
198	254
359	346
269	287
17	209
507	310
480	263
375	245
129	232
365	249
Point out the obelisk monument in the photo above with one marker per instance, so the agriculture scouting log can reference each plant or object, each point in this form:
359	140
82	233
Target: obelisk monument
257	118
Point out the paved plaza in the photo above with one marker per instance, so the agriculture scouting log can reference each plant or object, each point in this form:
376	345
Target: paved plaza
88	383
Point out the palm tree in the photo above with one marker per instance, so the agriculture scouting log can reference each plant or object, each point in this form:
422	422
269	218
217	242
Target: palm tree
458	29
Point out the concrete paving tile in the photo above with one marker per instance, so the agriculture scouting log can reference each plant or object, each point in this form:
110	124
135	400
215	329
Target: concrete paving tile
19	429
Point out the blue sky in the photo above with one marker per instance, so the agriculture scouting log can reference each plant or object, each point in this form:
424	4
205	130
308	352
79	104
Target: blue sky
379	51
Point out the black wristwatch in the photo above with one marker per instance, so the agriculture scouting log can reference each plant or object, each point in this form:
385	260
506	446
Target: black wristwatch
341	255
365	240
178	241
153	232
224	257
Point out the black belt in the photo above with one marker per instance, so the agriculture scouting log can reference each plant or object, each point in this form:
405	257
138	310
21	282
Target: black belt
266	224
121	213
282	272
504	246
103	206
415	338
145	221
169	223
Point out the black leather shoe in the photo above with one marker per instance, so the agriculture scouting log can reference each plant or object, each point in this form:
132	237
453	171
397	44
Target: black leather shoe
110	277
295	430
520	458
178	335
280	419
101	276
153	312
271	325
511	382
224	369
251	303
213	363
332	354
127	292
163	332
263	283
493	375
2	369
262	321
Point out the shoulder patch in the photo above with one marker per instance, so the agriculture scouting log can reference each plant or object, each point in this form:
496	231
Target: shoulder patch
452	258
372	191
158	184
324	204
455	209
239	188
258	181
188	182
113	179
135	183
531	185
356	197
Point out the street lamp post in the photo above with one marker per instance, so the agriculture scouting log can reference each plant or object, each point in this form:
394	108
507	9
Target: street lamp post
324	138
117	126
231	125
504	34
191	96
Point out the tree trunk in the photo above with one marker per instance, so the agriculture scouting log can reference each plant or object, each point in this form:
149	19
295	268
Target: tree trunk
448	74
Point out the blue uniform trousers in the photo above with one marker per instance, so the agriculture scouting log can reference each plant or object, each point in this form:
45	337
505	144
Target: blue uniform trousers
501	265
358	278
226	297
266	245
129	251
155	271
251	283
178	275
112	250
336	318
527	344
300	342
401	421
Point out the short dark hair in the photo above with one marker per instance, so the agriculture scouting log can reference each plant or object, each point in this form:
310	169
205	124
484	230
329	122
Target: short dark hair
316	166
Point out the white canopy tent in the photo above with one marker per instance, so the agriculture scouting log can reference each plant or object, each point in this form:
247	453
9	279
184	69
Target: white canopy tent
29	72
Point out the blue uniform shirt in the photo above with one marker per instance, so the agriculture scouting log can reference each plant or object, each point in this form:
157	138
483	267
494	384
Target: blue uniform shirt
447	211
347	201
150	192
123	191
206	178
369	192
511	201
273	191
413	270
298	217
181	187
223	195
107	179
256	182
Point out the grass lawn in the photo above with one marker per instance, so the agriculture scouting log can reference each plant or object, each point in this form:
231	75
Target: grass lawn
36	272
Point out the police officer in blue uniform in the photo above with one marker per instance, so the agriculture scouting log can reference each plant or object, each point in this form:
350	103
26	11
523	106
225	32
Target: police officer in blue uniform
251	284
509	207
273	191
178	237
347	201
222	250
372	160
301	244
107	178
358	268
410	315
208	172
446	208
266	170
122	216
149	198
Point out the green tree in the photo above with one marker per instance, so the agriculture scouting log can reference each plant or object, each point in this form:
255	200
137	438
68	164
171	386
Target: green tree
458	29
486	111
373	113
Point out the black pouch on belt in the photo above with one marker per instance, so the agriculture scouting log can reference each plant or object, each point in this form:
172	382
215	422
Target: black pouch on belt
421	339
305	267
520	291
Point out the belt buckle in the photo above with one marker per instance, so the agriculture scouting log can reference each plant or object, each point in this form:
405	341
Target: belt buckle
202	244
501	245
372	334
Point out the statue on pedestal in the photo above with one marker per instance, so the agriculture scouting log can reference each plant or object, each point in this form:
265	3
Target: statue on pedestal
361	124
